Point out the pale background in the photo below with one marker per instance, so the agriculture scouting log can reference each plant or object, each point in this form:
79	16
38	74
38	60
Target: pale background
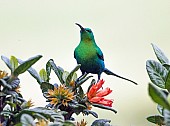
123	29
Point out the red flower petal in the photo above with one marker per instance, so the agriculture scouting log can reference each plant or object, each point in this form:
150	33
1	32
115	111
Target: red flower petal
99	84
104	92
96	99
93	90
106	102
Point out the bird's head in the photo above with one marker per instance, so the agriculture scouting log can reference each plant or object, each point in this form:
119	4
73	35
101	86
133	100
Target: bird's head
86	33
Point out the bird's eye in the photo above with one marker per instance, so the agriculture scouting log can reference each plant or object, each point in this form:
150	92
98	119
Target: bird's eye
88	30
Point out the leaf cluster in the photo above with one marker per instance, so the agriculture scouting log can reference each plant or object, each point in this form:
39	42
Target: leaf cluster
15	110
159	89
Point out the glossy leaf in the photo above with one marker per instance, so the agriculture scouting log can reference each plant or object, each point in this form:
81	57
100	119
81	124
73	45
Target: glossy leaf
47	113
32	71
157	73
58	71
48	70
67	123
80	93
43	75
167	66
104	107
167	82
27	120
5	84
45	86
160	109
87	112
6	112
26	65
157	119
65	75
158	96
101	122
160	55
15	83
71	74
76	106
14	63
39	116
167	117
7	62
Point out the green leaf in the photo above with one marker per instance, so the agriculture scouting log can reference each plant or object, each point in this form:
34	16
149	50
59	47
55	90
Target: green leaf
160	55
104	107
167	66
65	75
80	92
26	65
14	63
68	123
158	96
157	119
167	82
101	122
6	113
32	71
167	117
58	70
5	84
27	120
87	112
157	73
76	106
45	86
43	75
39	116
160	109
7	62
48	70
18	124
70	76
45	112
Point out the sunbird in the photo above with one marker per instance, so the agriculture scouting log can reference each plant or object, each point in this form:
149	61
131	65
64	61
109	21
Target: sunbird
90	56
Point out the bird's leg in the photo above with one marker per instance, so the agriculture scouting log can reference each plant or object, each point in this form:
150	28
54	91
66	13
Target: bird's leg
78	79
98	77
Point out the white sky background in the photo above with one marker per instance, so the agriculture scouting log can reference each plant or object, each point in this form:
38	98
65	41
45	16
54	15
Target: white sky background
123	29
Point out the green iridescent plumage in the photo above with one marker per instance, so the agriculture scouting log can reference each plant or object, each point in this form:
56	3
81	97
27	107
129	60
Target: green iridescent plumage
90	56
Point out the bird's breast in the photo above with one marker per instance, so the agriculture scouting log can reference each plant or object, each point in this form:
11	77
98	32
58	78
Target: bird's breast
89	60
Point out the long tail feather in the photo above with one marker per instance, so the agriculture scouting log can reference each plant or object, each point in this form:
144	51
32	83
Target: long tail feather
108	72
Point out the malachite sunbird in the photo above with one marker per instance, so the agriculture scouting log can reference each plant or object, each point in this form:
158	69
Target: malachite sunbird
90	56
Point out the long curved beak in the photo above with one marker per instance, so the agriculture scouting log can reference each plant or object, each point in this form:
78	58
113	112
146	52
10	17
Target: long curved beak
81	27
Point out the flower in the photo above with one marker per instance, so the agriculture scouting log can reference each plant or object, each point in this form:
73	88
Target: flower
3	74
82	123
27	104
96	96
30	103
60	94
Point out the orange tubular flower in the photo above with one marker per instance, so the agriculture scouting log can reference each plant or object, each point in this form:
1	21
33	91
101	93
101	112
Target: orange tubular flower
96	96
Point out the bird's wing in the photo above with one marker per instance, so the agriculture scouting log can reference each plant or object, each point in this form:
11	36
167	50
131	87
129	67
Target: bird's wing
100	54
